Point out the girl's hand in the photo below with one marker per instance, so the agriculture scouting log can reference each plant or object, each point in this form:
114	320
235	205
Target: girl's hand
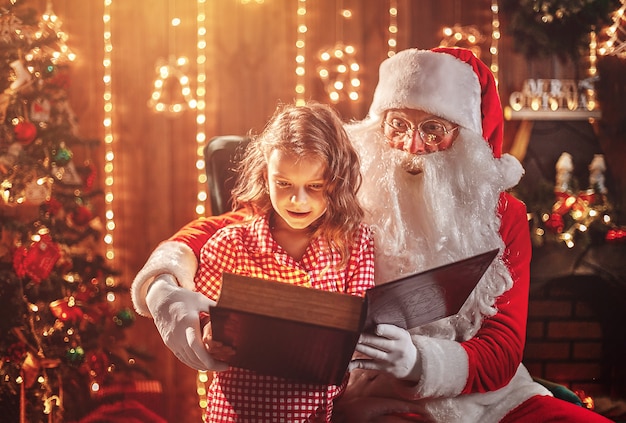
219	352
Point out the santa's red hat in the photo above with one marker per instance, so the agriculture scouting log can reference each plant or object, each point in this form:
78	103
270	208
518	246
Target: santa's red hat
447	82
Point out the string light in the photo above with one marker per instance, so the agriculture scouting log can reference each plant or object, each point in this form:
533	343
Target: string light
201	45
202	381
593	57
495	38
466	36
172	93
172	72
202	377
338	68
615	45
392	41
109	138
300	52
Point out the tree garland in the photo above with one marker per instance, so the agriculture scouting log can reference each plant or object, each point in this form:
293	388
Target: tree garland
543	28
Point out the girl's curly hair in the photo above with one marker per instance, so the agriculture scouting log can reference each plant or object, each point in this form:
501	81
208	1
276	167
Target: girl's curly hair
311	130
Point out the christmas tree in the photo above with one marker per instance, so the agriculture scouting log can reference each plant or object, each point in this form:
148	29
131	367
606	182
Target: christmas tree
541	28
63	313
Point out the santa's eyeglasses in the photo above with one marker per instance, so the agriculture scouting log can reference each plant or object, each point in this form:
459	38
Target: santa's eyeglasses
432	131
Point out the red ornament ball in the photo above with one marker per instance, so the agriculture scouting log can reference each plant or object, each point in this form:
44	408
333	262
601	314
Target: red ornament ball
81	216
16	352
25	132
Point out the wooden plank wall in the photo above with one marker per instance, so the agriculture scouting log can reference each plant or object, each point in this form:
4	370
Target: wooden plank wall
250	68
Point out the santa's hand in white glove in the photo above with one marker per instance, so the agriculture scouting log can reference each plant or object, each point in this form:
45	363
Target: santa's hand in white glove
176	312
390	350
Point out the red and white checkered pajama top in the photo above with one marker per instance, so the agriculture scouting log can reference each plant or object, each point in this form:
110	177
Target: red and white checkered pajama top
239	395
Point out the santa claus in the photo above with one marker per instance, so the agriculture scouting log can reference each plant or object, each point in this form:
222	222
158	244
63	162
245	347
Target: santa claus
435	191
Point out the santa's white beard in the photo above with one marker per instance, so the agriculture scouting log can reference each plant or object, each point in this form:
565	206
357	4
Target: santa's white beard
445	213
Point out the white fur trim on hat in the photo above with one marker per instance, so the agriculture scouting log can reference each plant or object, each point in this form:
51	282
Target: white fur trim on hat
436	83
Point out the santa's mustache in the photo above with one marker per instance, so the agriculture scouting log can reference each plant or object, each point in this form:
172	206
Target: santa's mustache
413	164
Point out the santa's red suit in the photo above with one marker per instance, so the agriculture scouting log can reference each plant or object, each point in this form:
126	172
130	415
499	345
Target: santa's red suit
427	211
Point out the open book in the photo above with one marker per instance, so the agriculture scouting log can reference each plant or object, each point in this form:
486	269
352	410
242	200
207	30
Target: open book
309	335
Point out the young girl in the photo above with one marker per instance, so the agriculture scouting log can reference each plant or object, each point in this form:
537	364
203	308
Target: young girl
299	179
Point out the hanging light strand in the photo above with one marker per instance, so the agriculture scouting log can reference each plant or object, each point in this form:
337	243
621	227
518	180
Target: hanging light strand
202	377
201	79
392	40
495	38
593	54
108	133
300	52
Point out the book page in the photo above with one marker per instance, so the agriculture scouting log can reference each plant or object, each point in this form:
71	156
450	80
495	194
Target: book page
428	296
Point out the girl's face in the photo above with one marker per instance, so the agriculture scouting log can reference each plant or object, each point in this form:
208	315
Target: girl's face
296	188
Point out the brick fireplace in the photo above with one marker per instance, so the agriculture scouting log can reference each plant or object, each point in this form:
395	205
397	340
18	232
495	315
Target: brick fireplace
576	333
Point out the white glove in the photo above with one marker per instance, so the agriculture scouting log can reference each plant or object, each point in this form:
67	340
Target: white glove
390	350
176	313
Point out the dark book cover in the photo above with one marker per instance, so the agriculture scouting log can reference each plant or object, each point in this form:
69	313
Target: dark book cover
309	335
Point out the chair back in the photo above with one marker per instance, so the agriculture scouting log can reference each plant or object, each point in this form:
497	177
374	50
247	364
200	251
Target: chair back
221	155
